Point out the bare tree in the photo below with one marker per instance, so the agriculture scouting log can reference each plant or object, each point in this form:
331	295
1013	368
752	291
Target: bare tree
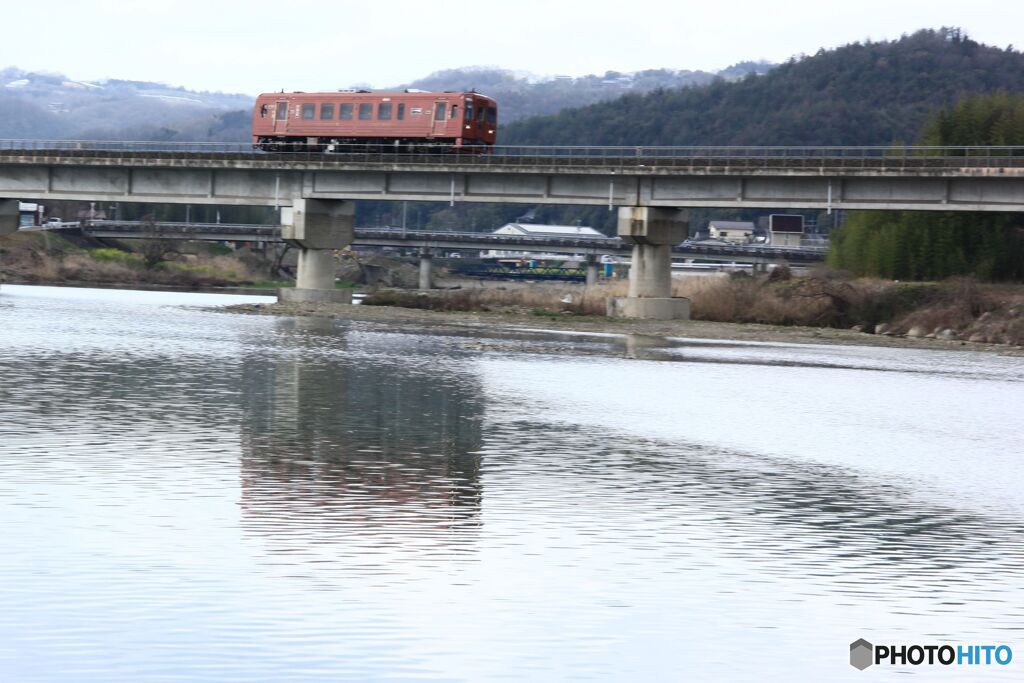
155	249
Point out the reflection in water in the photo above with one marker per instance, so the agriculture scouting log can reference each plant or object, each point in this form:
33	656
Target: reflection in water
189	495
379	454
790	516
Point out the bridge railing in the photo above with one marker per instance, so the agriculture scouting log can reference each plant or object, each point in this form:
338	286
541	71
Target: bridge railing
740	157
177	225
484	239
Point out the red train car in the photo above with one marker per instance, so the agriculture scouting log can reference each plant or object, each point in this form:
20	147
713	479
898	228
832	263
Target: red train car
327	120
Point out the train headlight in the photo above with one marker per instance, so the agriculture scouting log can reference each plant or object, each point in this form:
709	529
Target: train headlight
490	132
467	126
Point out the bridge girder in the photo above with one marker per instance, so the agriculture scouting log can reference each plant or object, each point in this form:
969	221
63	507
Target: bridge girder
255	180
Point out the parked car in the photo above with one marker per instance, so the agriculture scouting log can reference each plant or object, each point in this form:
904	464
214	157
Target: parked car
53	220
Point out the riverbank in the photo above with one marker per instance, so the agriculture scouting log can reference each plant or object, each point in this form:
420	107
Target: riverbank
822	307
601	325
41	258
959	309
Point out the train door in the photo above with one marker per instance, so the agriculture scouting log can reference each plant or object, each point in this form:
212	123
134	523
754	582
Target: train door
440	118
281	117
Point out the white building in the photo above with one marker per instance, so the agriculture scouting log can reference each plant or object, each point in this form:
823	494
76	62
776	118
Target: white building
740	232
541	231
534	230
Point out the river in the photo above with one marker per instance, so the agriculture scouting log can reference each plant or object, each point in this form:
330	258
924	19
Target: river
192	495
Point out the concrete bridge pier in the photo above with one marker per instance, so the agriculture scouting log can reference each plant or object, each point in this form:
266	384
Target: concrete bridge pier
9	217
316	270
317	227
426	269
652	231
592	270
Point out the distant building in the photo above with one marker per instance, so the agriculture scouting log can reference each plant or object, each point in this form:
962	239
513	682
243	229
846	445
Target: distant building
785	230
739	232
540	231
534	230
30	213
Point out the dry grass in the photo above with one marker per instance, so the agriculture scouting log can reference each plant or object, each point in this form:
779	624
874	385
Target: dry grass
45	258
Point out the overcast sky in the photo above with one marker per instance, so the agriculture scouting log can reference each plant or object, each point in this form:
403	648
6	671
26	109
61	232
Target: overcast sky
262	45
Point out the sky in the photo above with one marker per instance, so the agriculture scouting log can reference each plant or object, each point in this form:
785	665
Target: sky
262	45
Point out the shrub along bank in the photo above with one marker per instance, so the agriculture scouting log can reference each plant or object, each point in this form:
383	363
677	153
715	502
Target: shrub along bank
40	257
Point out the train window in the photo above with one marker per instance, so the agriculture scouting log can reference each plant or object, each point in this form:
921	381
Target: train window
455	111
384	111
326	111
346	112
365	111
439	109
480	113
469	110
401	111
492	116
264	110
282	111
308	110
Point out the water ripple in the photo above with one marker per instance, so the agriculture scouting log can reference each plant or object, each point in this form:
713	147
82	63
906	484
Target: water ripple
192	496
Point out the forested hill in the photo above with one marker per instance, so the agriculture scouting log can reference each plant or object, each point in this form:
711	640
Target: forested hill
521	97
873	93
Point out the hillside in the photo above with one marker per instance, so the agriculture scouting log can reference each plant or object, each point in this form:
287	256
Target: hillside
859	94
43	105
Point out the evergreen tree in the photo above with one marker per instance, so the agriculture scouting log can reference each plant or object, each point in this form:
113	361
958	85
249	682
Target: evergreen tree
920	245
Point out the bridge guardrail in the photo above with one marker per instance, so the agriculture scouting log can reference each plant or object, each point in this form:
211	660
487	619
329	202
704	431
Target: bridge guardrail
734	157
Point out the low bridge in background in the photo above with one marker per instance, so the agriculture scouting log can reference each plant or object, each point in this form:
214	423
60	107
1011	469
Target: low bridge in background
438	240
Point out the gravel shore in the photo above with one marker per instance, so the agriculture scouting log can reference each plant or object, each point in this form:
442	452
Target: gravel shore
599	325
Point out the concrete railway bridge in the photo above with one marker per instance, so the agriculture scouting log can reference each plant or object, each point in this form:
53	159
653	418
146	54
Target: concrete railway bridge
646	185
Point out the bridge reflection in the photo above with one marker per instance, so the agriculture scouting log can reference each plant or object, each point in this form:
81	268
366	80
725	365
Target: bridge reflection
364	449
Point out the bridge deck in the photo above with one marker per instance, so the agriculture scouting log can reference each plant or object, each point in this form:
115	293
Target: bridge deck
908	178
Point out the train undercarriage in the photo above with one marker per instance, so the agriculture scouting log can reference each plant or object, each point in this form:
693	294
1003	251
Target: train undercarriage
369	145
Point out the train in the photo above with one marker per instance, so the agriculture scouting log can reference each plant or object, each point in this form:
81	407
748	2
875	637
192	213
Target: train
409	119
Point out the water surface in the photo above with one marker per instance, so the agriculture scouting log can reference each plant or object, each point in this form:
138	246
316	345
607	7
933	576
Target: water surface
190	495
